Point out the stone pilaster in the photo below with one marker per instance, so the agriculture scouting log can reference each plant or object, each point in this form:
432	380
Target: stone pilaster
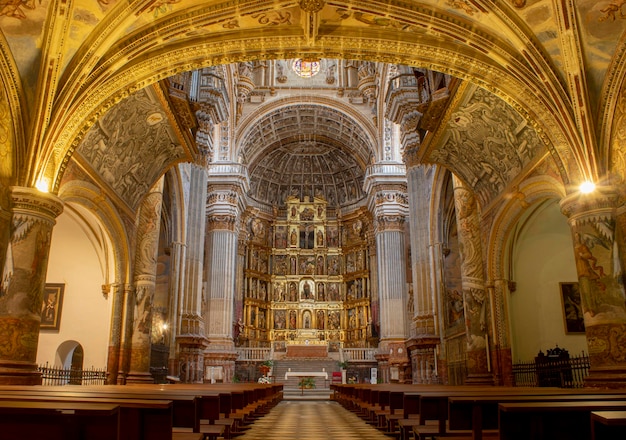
177	295
475	298
226	185
32	220
426	273
127	333
115	338
145	284
389	204
191	336
592	218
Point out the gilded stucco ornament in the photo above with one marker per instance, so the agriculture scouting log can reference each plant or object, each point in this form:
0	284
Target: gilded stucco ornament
312	5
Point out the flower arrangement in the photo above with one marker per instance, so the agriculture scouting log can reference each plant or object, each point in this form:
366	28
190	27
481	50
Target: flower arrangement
264	379
307	382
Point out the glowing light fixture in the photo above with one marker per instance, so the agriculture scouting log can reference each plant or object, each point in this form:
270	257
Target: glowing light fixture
42	185
587	187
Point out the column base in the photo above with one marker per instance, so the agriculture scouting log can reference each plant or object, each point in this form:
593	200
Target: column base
479	379
17	373
607	377
139	377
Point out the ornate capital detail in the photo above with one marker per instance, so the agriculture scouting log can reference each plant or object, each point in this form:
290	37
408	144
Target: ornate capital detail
221	223
312	5
223	197
34	203
390	223
597	206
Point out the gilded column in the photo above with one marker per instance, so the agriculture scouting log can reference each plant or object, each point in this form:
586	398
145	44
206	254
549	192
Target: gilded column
191	337
473	281
227	183
24	278
592	218
145	283
389	204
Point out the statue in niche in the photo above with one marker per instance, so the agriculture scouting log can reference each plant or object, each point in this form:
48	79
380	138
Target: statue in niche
306	319
320	320
293	263
293	238
307	292
293	292
321	295
320	265
320	239
292	320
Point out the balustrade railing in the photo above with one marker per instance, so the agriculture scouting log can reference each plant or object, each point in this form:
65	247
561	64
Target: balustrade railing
253	354
359	354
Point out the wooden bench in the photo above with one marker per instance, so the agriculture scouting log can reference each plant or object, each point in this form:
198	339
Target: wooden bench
551	420
608	425
480	412
21	420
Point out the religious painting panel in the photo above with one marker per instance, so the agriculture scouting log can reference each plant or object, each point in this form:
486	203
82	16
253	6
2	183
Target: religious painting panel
281	265
280	319
51	306
333	292
280	237
572	308
333	265
332	237
306	265
334	320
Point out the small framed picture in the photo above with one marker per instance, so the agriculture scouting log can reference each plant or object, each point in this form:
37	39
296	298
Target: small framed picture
51	306
572	308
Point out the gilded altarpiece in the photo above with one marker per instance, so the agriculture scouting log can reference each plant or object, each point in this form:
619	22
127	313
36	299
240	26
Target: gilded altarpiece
308	283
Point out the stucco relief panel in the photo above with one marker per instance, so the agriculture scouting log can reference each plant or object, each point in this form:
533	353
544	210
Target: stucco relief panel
129	147
488	145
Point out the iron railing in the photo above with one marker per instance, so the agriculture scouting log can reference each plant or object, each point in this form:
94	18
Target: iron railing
51	375
558	372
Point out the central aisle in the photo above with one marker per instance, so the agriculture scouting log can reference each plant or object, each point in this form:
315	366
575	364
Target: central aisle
311	420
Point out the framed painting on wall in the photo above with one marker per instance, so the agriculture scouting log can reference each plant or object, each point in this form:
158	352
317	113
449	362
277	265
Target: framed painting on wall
572	308
51	306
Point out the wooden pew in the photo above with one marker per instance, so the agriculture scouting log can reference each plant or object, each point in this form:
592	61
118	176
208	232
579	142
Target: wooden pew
551	420
608	425
480	412
139	419
21	420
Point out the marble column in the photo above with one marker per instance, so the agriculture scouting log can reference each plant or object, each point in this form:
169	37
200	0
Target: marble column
226	185
388	203
473	281
26	264
191	337
145	283
426	273
597	227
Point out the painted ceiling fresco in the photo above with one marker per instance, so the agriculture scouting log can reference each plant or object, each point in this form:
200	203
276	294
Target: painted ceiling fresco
564	48
130	146
601	23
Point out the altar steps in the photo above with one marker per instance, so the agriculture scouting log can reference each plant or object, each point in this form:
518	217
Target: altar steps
304	365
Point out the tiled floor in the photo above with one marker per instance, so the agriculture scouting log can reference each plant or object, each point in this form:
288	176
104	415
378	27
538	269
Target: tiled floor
311	420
